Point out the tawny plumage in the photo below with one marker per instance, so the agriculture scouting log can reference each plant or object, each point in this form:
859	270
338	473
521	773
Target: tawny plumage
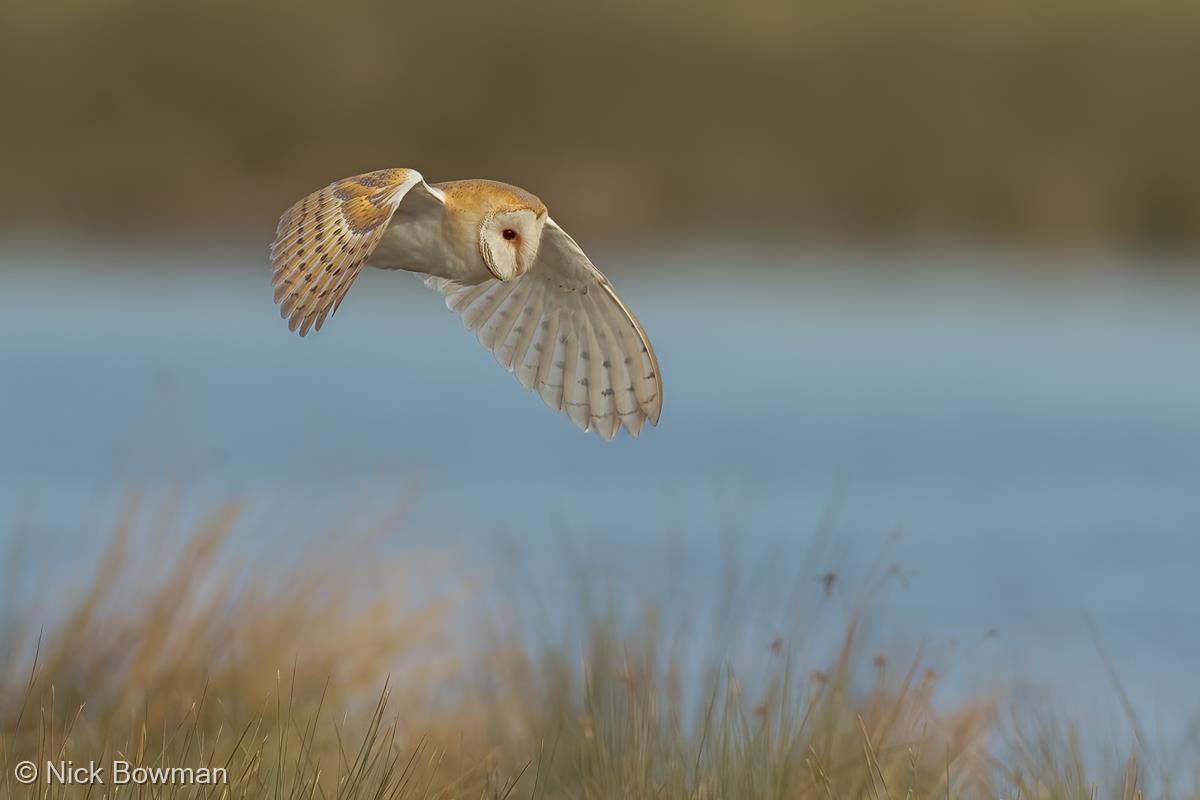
322	242
516	279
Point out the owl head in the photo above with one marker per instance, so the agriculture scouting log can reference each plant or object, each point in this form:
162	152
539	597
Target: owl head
508	240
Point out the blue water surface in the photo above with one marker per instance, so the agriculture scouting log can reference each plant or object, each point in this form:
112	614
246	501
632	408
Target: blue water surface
1024	447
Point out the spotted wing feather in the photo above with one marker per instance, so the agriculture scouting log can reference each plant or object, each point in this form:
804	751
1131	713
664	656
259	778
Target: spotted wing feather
323	240
564	332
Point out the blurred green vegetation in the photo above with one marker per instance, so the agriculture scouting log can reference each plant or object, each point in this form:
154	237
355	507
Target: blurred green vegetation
1052	121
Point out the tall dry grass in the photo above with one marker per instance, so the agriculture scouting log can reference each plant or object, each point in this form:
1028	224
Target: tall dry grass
340	671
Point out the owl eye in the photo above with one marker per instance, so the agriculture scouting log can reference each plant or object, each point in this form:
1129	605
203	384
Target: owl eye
509	234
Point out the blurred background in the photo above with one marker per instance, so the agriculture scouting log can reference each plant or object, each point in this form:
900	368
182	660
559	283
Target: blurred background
921	278
1026	122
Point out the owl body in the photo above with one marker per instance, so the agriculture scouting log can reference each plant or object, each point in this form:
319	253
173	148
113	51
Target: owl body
514	276
429	243
438	235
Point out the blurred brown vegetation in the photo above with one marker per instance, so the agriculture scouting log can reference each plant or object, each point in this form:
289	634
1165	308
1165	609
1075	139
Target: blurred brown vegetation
1050	121
334	671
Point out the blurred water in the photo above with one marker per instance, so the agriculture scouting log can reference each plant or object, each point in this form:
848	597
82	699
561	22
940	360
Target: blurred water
1035	439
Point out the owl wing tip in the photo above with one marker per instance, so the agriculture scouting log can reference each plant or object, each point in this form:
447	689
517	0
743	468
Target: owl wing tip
323	240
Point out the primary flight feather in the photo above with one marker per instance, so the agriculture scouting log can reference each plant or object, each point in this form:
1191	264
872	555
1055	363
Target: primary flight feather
502	264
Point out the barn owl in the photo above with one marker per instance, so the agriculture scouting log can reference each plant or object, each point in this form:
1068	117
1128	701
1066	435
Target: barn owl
502	264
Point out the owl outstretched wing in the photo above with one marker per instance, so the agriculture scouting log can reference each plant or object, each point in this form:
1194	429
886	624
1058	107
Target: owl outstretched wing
323	240
564	332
